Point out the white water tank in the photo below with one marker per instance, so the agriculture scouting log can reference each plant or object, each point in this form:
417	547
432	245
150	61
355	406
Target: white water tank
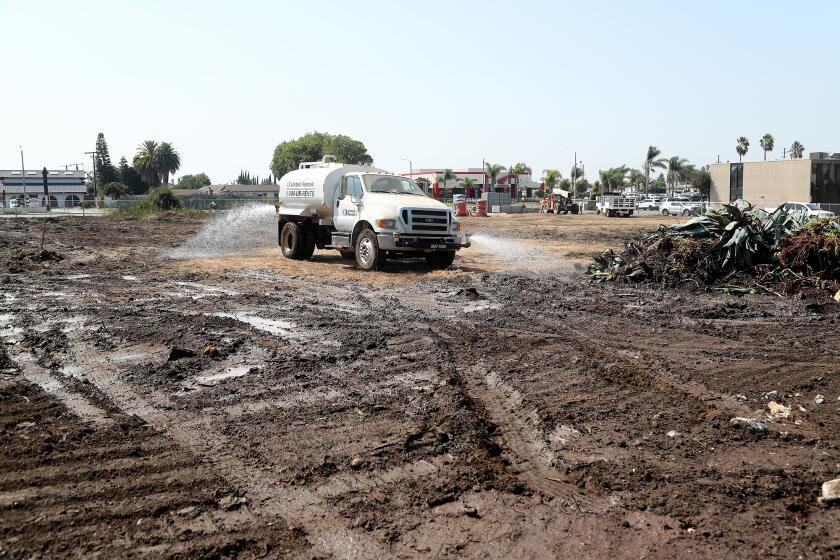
310	190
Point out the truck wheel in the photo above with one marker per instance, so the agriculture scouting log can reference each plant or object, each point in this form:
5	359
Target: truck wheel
664	212
686	212
348	255
308	245
441	260
291	240
368	254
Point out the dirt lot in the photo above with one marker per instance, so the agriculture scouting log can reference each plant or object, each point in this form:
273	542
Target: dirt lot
241	405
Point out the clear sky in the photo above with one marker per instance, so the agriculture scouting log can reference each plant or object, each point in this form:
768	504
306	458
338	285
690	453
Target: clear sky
444	83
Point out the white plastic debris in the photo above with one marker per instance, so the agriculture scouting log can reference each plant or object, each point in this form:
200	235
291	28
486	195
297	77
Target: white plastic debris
778	410
819	399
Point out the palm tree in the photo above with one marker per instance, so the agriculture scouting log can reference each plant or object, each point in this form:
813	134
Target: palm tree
467	184
145	162
796	150
675	171
550	178
447	175
652	161
520	169
767	144
493	170
168	160
742	147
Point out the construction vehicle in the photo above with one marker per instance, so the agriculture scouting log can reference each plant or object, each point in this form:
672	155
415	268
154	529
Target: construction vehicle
367	214
559	201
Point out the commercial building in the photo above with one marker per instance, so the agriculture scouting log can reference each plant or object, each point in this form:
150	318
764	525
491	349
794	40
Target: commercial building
508	183
770	183
66	187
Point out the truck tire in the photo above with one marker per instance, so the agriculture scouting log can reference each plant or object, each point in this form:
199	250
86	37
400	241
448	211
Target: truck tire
664	212
686	212
308	247
441	260
368	254
296	242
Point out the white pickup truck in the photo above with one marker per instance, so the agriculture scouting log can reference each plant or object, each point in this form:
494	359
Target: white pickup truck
365	213
614	204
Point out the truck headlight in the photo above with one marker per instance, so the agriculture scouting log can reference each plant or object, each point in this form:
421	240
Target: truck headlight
385	224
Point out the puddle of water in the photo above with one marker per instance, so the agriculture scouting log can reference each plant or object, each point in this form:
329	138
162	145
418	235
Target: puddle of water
6	318
232	232
129	278
78	277
277	327
519	255
56	294
228	373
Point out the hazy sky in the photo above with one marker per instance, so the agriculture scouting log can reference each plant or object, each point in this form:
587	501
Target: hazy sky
442	83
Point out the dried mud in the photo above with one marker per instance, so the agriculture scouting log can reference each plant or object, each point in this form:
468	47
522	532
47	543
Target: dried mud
248	406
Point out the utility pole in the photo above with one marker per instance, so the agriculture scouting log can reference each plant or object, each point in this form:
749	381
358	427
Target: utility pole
93	159
410	169
23	178
574	177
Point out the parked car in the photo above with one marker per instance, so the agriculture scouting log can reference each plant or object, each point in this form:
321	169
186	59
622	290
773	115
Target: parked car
811	210
648	204
676	208
14	203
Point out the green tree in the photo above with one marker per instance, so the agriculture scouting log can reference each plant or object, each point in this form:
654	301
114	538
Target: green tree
467	183
652	161
613	179
742	147
701	180
131	178
168	161
493	170
442	178
194	181
145	162
246	179
767	144
423	183
565	184
658	185
676	170
796	150
267	181
105	171
520	169
313	146
551	178
636	178
114	189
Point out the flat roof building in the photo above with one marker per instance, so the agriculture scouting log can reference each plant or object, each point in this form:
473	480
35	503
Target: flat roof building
770	183
66	187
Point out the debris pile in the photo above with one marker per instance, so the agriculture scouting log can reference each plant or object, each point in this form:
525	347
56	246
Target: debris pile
736	249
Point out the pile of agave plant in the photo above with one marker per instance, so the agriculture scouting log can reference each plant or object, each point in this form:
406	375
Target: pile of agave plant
736	248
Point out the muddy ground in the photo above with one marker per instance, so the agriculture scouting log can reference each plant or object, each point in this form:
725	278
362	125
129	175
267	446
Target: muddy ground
248	406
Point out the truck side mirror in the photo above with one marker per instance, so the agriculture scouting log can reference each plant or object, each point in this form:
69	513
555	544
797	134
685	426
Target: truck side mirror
342	188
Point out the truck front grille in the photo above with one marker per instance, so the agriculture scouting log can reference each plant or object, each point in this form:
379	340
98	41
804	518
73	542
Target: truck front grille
426	220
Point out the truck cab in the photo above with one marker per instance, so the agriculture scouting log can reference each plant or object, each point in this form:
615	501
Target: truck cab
365	213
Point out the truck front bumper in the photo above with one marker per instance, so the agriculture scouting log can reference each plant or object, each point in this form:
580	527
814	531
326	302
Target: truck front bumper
413	242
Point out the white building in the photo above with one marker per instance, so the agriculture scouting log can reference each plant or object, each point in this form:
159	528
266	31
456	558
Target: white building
66	187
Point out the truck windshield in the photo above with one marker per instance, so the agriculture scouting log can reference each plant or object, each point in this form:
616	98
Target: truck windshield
391	184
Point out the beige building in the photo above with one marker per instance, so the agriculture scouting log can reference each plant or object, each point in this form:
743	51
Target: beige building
769	183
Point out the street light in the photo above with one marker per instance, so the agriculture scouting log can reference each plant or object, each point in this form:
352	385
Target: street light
410	168
23	178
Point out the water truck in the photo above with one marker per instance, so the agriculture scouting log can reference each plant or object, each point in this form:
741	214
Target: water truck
367	214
